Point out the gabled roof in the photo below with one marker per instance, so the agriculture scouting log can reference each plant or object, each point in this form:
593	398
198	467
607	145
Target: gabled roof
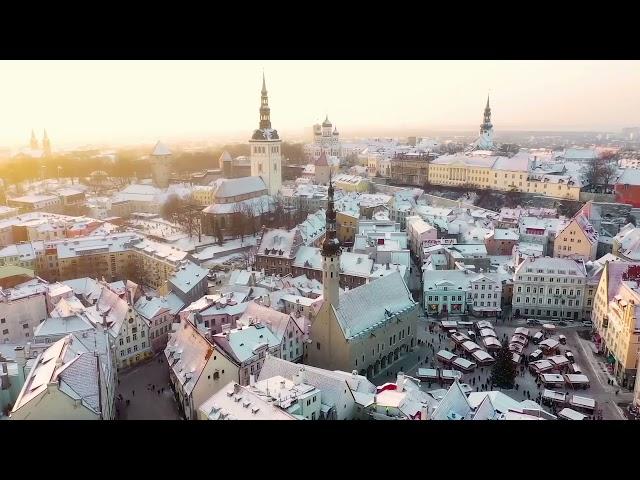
53	326
239	186
274	320
369	305
188	352
241	343
332	384
453	406
75	373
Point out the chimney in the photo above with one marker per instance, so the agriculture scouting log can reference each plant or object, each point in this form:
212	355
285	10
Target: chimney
21	361
424	413
400	382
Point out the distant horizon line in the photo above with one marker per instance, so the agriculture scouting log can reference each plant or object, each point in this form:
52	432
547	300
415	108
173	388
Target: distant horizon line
355	133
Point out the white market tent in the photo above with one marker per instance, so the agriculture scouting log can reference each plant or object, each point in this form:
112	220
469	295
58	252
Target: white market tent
450	375
582	402
488	332
446	356
569	414
470	346
464	364
554	396
491	343
482	357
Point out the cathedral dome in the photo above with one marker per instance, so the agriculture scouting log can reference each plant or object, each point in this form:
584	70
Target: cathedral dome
326	122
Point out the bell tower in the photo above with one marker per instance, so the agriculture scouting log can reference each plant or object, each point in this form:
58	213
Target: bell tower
331	252
266	160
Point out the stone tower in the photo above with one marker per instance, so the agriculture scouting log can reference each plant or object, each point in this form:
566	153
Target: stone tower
266	159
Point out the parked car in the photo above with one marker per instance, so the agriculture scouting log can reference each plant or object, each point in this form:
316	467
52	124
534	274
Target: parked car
587	323
537	337
562	339
570	356
535	355
531	321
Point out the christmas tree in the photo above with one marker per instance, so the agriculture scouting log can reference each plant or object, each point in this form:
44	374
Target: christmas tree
503	374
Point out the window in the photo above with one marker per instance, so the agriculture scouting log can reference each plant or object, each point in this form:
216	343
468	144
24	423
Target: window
216	375
135	348
129	350
121	342
3	320
135	337
318	345
122	353
25	325
128	339
142	333
144	344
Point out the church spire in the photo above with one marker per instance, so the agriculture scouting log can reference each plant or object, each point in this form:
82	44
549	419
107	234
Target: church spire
46	144
34	141
265	112
486	124
331	244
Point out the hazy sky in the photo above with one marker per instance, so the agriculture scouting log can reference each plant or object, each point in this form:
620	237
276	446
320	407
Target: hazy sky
141	101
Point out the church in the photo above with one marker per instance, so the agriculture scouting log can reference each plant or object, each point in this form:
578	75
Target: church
325	139
485	140
367	328
266	152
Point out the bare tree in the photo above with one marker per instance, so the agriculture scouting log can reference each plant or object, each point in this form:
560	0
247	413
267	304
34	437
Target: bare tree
599	172
238	225
250	210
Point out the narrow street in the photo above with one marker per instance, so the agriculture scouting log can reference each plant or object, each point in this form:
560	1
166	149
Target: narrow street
146	403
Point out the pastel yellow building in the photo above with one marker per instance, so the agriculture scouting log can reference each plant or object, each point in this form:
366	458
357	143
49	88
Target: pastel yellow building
486	171
347	226
203	195
578	240
351	183
617	320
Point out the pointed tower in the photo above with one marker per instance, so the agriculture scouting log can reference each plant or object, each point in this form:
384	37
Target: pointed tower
34	141
266	160
46	144
486	129
161	165
331	252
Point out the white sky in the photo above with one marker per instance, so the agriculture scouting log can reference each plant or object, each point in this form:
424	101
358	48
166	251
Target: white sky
141	101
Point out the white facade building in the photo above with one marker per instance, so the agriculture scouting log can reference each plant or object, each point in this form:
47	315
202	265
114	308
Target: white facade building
21	310
548	287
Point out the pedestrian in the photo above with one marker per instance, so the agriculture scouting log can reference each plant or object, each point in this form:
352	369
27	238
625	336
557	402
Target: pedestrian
133	393
158	392
127	403
617	391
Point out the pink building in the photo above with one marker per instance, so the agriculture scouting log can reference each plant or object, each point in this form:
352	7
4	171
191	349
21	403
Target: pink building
501	242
